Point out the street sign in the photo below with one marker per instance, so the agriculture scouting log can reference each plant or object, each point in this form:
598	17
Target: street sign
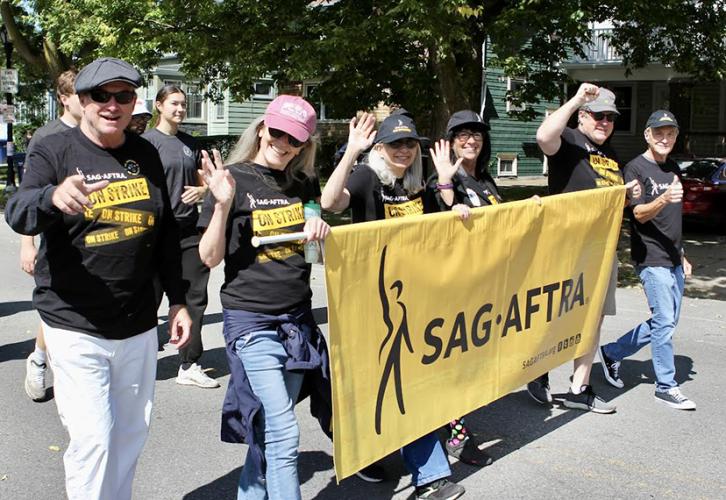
9	81
7	113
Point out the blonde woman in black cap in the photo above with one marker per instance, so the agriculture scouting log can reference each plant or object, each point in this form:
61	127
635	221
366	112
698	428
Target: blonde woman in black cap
390	185
98	196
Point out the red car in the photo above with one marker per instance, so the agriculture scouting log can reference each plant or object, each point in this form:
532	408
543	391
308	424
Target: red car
704	191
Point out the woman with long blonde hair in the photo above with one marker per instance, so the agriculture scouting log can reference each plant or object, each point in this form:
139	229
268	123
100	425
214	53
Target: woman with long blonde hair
273	344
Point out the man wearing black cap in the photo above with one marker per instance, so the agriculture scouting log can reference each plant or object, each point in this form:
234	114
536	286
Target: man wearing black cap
658	255
98	196
579	159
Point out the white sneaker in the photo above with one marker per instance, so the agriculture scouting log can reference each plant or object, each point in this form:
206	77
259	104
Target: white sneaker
675	399
35	379
194	375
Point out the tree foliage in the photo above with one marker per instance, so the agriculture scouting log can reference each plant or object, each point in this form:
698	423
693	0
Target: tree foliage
425	55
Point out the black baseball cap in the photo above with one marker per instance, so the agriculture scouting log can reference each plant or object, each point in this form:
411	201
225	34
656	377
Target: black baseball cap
106	70
661	118
396	127
466	118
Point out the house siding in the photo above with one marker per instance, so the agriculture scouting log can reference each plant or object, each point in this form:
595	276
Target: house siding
509	135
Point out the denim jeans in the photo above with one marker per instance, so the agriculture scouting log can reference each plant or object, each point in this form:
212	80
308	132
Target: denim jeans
425	460
276	428
664	288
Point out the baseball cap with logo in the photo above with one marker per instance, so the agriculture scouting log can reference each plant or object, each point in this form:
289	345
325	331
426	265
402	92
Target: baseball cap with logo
661	118
466	118
605	101
106	70
396	127
293	115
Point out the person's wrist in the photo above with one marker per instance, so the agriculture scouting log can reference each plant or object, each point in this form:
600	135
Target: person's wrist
444	180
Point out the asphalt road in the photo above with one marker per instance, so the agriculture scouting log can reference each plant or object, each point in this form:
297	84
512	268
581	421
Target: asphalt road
646	450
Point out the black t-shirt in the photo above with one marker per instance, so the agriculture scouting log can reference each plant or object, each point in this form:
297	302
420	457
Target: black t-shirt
271	279
581	164
468	190
657	242
94	271
181	158
371	200
50	128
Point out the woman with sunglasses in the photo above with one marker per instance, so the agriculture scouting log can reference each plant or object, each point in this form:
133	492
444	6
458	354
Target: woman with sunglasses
273	345
390	185
181	159
462	181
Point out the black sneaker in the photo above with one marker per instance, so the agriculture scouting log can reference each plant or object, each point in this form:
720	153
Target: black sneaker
468	452
587	400
611	369
539	389
442	489
374	473
675	399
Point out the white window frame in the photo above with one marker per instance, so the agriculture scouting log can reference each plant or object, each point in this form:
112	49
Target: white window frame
185	87
511	107
633	106
506	157
270	93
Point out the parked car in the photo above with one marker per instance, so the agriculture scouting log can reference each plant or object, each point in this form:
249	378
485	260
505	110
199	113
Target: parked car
704	192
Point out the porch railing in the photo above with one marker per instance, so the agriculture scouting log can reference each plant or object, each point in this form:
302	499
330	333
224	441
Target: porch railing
598	49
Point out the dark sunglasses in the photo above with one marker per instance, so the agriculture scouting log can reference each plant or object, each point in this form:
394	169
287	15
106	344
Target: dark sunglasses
122	97
601	115
408	143
279	134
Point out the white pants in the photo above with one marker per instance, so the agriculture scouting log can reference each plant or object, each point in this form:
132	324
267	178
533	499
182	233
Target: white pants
104	391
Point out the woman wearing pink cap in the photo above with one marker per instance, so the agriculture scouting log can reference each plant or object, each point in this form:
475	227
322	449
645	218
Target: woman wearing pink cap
275	351
389	185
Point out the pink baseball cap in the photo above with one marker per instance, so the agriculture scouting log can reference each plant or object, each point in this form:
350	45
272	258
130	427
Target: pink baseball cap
293	115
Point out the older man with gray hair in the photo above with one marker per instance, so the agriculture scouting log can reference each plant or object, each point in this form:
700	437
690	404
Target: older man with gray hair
657	251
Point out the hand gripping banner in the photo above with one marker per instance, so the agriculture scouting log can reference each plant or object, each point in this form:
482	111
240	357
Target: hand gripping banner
432	317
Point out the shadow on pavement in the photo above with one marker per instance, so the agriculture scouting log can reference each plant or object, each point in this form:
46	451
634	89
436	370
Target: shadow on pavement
17	350
9	308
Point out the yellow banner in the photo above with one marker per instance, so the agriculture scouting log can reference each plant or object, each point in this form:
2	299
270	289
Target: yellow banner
420	305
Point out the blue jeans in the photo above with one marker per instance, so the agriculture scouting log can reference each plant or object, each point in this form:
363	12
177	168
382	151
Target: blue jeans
425	460
276	428
664	288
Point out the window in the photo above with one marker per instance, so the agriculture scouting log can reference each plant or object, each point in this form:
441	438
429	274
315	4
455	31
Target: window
507	164
624	103
195	102
263	90
324	111
219	110
513	85
195	99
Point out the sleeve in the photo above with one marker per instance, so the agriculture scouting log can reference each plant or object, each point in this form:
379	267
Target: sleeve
206	213
31	211
432	198
360	182
168	250
631	172
567	140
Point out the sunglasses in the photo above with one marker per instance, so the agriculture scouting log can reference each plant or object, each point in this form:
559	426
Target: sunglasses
601	115
407	143
122	97
279	134
465	135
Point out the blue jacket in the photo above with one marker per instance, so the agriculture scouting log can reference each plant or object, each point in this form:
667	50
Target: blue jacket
307	351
